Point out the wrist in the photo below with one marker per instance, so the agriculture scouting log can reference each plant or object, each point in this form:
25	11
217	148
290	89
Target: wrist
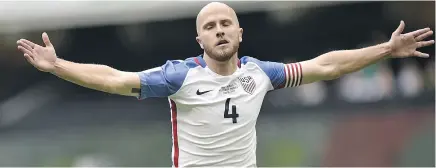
56	64
387	49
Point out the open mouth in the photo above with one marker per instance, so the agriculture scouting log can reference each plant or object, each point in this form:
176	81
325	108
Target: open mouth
222	42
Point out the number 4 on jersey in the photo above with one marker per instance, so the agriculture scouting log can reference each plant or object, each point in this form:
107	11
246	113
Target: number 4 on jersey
234	115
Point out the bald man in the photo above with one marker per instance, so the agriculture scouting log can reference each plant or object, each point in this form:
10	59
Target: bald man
216	97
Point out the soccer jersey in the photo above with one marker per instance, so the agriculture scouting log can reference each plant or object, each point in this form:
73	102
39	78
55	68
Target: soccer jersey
213	117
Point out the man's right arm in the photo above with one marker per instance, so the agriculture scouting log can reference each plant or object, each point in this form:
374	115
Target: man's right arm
161	81
98	77
93	76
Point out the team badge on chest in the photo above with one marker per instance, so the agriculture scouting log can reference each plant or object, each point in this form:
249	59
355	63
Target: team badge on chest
248	84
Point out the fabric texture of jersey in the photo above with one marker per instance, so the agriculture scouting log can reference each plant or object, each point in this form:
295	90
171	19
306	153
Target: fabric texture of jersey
213	117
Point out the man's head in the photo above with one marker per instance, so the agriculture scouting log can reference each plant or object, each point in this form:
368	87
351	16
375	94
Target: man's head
218	31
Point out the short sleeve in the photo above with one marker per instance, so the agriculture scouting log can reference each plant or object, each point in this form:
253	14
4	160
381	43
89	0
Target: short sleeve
281	75
162	81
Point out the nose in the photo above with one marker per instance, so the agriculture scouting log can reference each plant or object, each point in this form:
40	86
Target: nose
220	32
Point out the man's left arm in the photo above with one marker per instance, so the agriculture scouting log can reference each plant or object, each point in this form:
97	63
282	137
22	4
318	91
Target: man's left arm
334	64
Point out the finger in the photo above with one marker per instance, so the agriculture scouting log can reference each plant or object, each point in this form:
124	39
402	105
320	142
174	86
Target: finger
31	44
399	29
425	43
46	39
423	36
29	59
25	51
418	32
420	54
25	45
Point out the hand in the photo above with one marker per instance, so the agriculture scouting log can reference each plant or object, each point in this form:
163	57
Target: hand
405	45
42	58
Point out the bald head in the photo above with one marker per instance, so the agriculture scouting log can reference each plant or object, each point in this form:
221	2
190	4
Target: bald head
214	9
219	33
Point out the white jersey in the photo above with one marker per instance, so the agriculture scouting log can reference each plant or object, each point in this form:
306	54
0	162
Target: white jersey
213	117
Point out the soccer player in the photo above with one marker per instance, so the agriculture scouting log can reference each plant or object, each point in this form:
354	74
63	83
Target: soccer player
215	97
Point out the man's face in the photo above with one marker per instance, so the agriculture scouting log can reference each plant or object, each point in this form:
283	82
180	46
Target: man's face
219	33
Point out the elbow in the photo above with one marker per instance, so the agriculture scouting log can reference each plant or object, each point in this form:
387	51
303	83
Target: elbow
328	69
332	73
120	83
109	87
334	76
115	85
111	84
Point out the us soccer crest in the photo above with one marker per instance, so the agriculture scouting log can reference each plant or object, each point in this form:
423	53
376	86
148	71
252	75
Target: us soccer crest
248	84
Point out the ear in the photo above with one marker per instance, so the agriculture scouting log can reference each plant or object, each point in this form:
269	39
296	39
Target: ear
199	42
240	34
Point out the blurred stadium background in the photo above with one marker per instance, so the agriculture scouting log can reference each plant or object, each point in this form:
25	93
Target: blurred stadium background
382	115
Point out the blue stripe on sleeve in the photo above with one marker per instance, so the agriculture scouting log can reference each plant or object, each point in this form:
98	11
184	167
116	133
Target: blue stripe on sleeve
165	80
274	70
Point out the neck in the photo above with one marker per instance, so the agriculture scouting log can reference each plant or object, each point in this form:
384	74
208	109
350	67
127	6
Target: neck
223	68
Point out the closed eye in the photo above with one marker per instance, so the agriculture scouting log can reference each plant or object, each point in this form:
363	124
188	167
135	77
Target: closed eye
226	23
209	26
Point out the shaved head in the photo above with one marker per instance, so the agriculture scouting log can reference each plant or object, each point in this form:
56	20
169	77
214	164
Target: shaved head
218	31
215	8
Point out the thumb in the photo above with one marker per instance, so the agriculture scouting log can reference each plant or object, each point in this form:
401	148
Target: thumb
399	29
46	40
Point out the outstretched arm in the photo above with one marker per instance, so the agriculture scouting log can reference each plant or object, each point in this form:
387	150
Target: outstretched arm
334	64
97	77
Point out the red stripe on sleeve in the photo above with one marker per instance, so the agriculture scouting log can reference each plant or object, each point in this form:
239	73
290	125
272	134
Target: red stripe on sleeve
301	74
293	75
175	137
288	75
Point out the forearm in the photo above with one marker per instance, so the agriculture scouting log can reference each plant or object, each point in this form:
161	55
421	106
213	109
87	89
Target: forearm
93	76
342	62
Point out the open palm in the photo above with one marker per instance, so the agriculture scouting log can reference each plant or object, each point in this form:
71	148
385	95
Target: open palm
405	45
42	58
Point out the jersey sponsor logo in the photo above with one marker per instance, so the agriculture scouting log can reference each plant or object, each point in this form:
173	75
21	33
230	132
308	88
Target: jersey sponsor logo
248	84
202	92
